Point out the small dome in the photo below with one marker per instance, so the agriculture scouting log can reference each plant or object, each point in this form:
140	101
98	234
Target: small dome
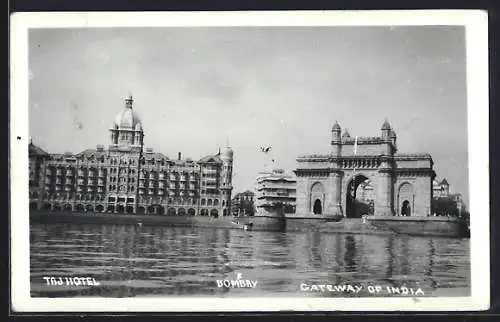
386	125
128	118
228	153
392	134
336	126
346	134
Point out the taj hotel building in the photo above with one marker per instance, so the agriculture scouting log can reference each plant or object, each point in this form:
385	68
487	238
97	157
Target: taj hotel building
125	177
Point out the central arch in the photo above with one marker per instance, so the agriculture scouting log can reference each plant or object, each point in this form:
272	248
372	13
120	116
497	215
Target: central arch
355	208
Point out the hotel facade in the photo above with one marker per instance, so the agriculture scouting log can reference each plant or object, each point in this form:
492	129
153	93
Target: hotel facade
125	177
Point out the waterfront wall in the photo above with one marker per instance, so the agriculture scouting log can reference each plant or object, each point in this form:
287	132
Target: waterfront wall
295	224
422	226
353	226
120	219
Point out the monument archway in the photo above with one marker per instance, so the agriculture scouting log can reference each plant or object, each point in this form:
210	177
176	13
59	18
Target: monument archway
356	207
330	184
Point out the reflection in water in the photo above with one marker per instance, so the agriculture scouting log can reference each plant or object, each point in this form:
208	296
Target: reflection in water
350	254
143	261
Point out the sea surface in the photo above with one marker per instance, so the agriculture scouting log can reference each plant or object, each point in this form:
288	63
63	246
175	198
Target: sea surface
133	261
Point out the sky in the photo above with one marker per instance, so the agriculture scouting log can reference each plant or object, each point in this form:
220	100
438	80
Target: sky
199	88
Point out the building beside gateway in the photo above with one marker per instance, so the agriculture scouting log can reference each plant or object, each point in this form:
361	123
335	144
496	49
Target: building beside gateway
125	177
276	186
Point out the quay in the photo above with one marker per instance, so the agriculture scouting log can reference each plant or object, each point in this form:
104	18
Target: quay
445	227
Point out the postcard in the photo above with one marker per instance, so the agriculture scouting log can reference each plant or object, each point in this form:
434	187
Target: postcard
249	161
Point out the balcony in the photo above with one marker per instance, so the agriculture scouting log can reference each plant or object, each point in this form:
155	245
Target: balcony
90	189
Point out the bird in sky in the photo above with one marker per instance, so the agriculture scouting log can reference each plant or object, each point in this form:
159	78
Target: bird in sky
265	150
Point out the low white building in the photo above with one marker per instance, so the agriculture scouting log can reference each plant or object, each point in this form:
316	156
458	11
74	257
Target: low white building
274	187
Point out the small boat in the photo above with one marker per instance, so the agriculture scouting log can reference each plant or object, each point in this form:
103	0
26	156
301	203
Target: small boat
242	225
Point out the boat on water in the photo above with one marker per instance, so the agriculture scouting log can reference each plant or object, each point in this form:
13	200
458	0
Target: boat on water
247	226
335	218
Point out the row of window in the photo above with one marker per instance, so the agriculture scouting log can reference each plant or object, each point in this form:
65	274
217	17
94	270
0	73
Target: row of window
91	197
102	171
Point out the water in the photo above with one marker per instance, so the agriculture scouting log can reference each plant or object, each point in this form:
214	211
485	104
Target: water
131	261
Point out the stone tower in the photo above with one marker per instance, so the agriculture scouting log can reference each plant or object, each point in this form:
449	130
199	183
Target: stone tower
333	192
385	203
226	177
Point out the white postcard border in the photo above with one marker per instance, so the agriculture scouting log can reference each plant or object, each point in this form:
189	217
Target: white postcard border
476	25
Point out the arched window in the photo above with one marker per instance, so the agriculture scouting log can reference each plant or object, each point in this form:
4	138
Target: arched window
405	199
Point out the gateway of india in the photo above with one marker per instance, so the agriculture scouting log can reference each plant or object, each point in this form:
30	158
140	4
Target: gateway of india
364	175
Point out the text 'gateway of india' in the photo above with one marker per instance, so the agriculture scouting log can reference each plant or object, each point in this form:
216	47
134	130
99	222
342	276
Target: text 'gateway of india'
364	175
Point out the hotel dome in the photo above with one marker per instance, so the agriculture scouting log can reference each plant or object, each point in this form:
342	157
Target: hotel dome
128	119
